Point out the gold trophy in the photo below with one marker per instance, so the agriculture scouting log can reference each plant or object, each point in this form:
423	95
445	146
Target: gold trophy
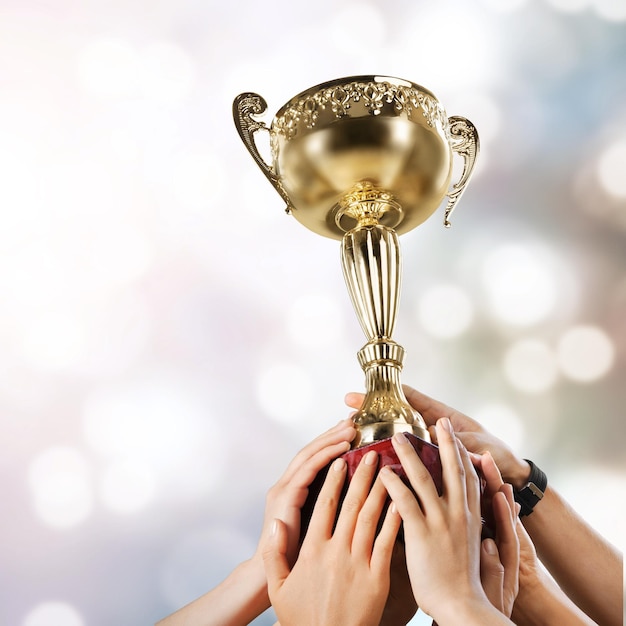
364	159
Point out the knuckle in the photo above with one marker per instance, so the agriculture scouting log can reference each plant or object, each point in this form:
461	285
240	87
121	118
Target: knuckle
326	501
351	505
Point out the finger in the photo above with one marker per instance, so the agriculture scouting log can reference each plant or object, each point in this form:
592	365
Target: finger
340	433
325	509
433	434
403	499
453	470
492	573
356	496
386	540
507	490
301	480
275	557
491	473
432	410
368	521
419	477
354	400
472	481
508	546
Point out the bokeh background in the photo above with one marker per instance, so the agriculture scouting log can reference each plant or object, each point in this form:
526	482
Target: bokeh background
169	338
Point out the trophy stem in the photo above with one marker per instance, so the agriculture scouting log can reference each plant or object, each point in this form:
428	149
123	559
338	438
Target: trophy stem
372	269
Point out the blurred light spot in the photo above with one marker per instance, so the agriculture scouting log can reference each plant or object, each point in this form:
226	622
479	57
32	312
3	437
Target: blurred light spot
167	73
127	486
611	10
503	422
585	353
504	6
160	421
612	167
55	341
520	284
108	67
314	321
53	614
569	6
445	311
530	366
62	488
350	24
285	392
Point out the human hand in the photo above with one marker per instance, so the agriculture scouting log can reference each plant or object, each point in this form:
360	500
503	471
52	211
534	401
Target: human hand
541	601
442	534
341	575
287	496
474	437
499	559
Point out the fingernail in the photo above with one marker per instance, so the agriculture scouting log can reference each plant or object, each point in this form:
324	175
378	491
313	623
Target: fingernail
370	458
446	424
490	546
393	507
400	438
339	464
273	528
518	508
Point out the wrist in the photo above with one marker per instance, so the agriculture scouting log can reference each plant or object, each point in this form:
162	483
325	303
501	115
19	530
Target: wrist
475	611
518	474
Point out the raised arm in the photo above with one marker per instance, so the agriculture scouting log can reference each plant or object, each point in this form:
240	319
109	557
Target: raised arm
586	566
242	596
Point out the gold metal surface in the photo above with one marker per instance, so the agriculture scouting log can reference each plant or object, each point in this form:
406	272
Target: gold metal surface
363	159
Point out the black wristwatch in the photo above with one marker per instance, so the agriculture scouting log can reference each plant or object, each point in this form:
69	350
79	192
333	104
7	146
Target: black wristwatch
531	494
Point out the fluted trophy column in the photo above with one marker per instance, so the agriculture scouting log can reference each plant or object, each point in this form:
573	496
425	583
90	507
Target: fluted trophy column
371	261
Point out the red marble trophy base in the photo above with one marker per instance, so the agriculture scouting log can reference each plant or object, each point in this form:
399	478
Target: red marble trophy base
428	453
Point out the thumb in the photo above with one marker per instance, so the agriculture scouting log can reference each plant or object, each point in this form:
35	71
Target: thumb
492	573
275	557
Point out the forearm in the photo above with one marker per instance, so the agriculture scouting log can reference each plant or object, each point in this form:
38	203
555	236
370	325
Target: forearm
586	566
545	605
236	601
472	613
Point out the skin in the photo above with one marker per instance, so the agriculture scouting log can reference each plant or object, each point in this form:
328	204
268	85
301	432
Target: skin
243	595
563	540
442	534
499	567
540	601
341	575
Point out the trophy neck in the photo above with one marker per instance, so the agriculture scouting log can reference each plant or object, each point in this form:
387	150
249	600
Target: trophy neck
371	264
385	410
367	205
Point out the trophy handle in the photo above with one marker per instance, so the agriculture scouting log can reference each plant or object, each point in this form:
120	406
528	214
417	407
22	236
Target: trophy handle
245	106
464	141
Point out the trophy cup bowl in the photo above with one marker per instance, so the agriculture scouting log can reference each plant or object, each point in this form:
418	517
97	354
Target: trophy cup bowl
363	159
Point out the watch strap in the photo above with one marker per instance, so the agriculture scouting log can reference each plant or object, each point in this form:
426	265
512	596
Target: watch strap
533	491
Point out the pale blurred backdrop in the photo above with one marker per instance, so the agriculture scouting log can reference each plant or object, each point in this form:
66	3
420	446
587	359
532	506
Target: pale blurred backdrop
169	338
